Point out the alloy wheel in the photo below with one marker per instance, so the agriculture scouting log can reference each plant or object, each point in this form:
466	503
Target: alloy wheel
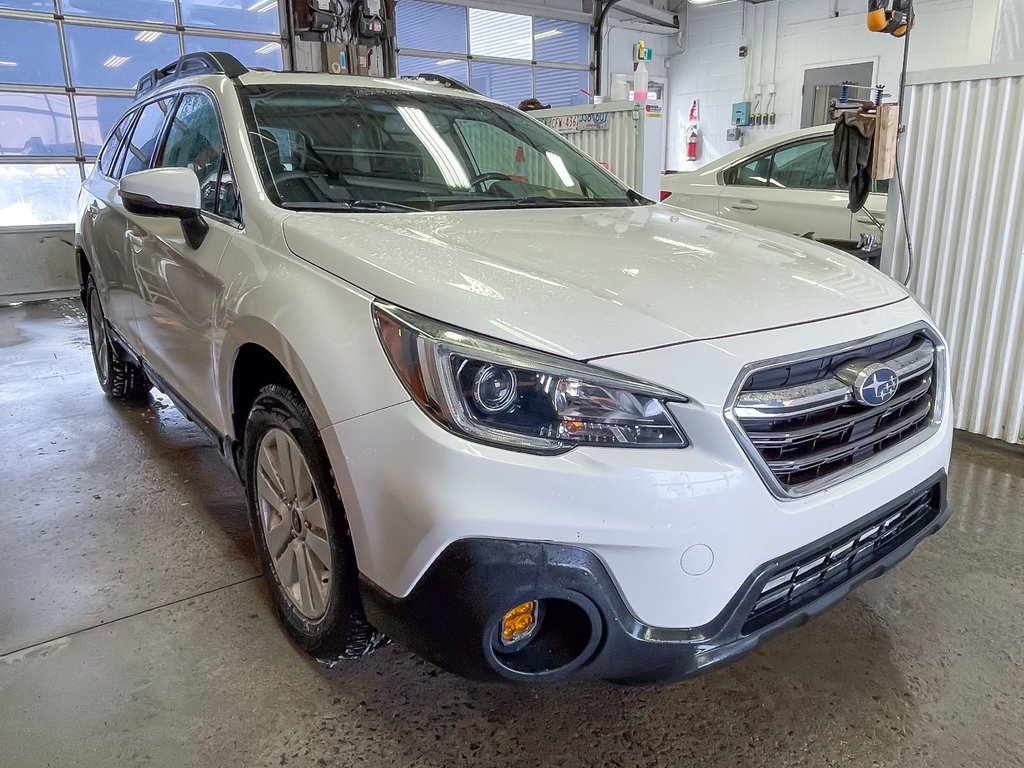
294	523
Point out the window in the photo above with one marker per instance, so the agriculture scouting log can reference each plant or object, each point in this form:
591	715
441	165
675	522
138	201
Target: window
507	35
38	194
36	124
116	58
510	83
66	81
431	27
252	53
144	138
129	10
30	52
753	173
108	154
417	65
195	141
317	150
247	15
96	116
807	165
508	56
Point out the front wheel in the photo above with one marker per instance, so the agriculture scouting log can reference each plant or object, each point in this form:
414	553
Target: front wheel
121	379
300	530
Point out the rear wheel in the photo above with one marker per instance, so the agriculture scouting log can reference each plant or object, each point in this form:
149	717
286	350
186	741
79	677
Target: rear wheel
300	529
121	379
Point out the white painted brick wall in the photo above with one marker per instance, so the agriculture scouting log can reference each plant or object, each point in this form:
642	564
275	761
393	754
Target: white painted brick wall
711	71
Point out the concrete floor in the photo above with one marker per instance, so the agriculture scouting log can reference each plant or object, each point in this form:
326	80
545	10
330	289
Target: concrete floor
134	629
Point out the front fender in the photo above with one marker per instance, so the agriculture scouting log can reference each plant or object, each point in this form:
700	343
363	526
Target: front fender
318	327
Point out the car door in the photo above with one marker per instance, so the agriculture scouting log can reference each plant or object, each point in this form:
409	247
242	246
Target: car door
103	228
790	188
179	287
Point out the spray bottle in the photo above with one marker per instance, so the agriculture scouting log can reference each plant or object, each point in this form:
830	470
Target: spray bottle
640	74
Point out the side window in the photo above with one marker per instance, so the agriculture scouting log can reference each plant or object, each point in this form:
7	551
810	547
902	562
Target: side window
145	136
753	173
107	155
195	141
807	165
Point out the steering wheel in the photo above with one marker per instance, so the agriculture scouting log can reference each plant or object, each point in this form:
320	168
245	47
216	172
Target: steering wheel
477	181
299	175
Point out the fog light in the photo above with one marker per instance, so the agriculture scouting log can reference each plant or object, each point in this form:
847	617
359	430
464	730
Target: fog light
519	623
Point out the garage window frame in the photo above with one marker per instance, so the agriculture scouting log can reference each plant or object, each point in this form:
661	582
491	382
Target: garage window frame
84	157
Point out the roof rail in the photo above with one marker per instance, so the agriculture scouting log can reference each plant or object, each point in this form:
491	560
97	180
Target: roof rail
448	82
204	62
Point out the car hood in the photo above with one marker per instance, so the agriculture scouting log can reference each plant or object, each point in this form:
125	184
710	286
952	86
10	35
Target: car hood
587	283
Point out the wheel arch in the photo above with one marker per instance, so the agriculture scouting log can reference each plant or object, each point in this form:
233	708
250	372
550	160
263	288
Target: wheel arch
255	354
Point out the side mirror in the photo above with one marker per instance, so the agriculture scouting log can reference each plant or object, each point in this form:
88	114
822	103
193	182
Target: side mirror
167	192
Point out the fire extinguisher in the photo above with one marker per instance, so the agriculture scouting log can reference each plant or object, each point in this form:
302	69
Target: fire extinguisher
691	144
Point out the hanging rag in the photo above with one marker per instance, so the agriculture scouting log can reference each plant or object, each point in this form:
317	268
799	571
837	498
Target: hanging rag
852	148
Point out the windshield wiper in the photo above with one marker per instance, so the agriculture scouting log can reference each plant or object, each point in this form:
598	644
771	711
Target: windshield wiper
373	206
537	201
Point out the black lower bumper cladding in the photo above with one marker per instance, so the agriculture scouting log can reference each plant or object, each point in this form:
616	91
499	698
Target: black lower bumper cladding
452	616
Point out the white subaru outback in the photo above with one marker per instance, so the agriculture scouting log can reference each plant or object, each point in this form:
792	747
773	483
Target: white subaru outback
489	402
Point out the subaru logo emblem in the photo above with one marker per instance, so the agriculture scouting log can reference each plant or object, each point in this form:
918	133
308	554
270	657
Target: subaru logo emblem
871	383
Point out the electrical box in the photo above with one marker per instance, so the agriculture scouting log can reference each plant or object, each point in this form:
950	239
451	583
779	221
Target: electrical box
741	113
733	134
335	58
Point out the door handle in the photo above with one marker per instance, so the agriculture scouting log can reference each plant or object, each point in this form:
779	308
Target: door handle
745	205
134	241
93	210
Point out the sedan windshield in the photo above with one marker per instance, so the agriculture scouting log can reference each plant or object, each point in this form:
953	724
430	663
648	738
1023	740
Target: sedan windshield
367	150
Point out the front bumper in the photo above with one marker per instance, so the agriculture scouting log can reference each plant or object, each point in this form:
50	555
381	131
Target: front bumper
452	615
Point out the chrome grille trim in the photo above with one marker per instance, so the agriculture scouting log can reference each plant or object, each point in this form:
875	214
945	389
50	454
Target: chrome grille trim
807	398
922	397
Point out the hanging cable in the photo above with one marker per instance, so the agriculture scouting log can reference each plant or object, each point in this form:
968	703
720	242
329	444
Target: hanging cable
899	170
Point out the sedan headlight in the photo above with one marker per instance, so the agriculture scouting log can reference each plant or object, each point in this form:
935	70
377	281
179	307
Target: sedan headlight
517	398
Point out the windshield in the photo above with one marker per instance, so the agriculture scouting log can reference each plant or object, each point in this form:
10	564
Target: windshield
326	148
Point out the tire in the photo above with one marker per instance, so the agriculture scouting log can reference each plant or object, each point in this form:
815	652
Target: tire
300	530
120	379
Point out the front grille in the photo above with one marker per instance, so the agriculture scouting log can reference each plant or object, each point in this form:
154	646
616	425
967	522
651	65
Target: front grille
801	582
806	426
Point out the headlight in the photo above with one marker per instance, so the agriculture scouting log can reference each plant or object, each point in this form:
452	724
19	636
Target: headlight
517	398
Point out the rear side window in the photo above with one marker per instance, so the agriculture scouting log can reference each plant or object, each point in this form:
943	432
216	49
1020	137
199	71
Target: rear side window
108	154
195	141
146	136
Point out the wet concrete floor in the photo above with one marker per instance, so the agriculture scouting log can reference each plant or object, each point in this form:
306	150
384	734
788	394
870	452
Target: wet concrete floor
134	629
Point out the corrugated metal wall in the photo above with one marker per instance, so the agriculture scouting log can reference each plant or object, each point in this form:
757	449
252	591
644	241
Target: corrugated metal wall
964	178
619	148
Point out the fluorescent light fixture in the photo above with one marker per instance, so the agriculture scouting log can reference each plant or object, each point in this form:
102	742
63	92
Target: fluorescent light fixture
454	174
268	48
710	2
115	61
262	6
547	34
147	37
8	63
446	62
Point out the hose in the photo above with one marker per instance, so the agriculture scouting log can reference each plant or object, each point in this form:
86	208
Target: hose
599	44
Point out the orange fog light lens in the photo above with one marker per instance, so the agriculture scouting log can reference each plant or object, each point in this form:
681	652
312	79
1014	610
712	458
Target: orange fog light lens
519	623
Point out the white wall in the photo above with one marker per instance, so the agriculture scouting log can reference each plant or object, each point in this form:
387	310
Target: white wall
808	36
